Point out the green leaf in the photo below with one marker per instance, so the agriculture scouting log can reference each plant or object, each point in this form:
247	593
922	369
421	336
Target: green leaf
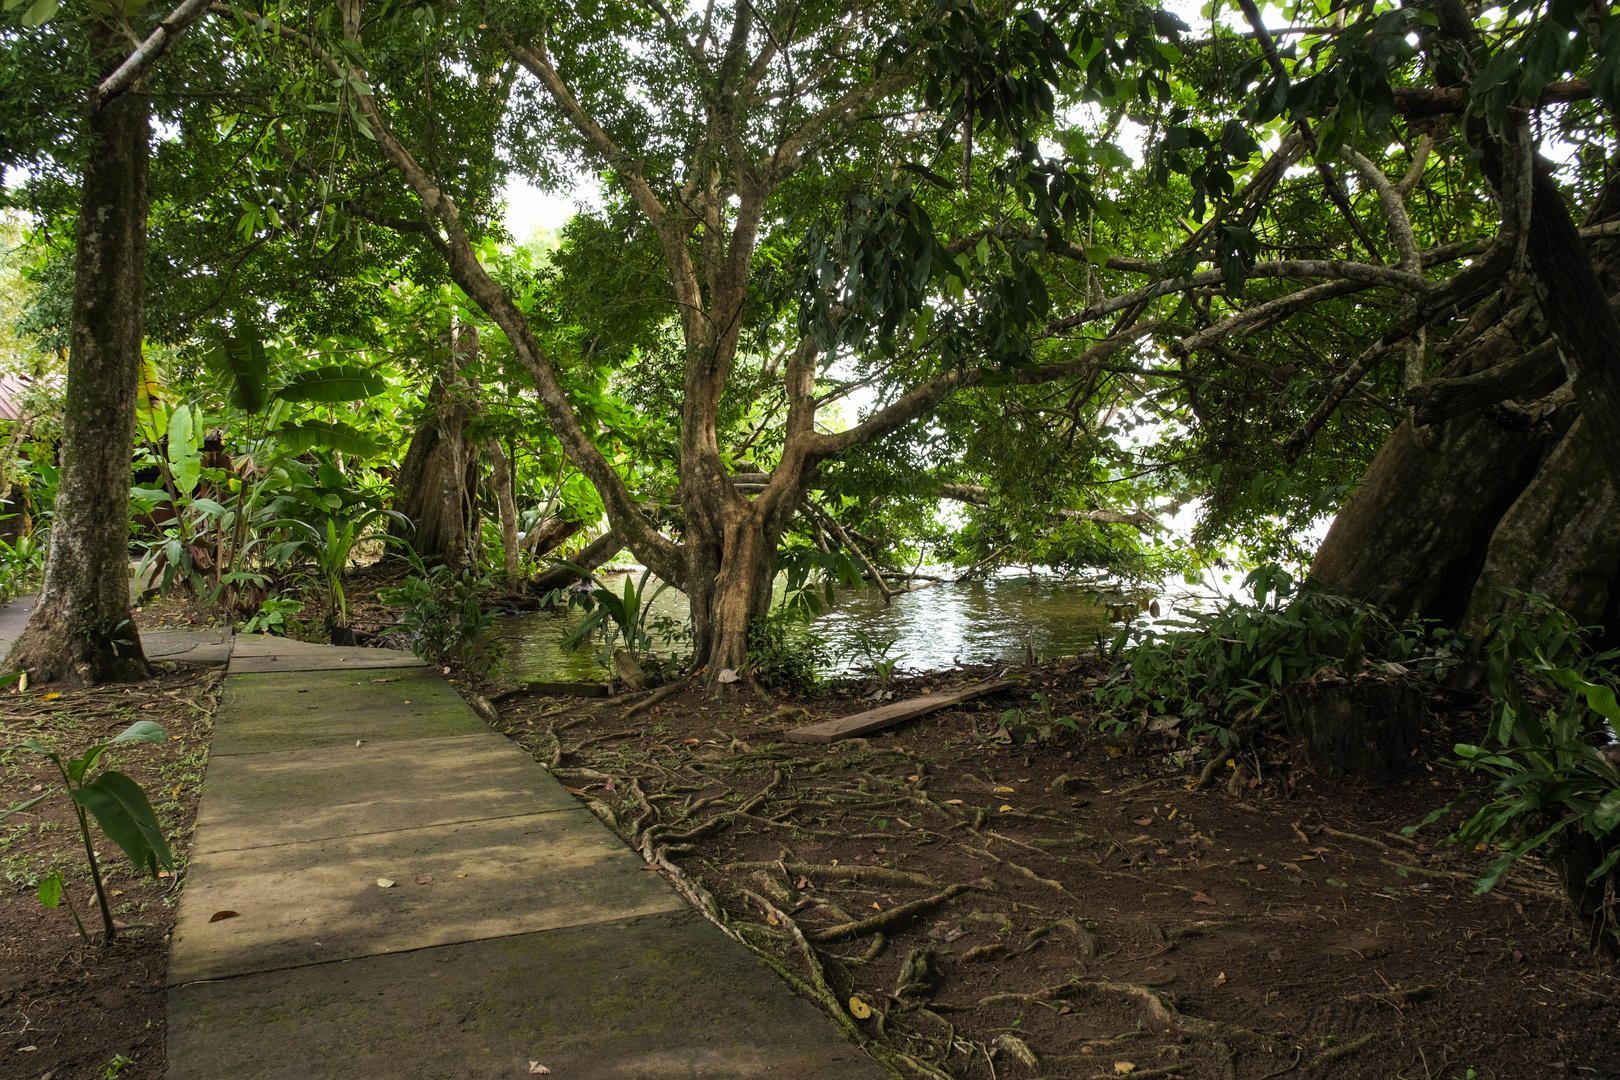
318	434
40	13
183	459
141	731
120	808
20	807
242	362
334	382
1606	815
50	889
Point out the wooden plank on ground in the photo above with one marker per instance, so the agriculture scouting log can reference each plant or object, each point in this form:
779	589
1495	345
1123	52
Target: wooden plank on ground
846	727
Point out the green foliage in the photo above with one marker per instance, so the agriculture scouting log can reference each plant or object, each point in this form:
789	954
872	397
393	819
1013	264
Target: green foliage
119	807
275	616
1019	726
784	653
1230	664
625	616
873	649
809	579
444	615
331	549
22	562
1551	699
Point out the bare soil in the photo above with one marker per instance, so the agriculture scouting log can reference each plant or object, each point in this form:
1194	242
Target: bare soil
1081	906
69	1010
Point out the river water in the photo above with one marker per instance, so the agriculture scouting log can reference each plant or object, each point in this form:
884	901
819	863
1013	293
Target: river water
1000	619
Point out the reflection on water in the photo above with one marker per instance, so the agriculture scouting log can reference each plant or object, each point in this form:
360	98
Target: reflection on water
976	622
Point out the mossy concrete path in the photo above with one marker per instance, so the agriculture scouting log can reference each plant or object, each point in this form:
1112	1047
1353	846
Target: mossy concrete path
383	887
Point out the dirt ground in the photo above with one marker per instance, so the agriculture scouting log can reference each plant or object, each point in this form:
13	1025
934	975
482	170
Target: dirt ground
964	907
67	1010
1070	908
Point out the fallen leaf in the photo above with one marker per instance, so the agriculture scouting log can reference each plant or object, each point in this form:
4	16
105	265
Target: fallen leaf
1005	808
1220	980
804	882
875	907
219	915
118	892
424	879
953	802
26	1049
1065	1011
1143	820
1113	751
773	920
1259	866
461	875
1123	1067
1004	790
859	1009
537	1069
913	779
575	790
50	697
164	874
385	883
1305	858
1171	815
1321	850
1200	898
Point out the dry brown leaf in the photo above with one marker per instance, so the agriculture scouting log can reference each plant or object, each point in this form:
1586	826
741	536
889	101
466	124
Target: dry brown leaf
1220	980
220	915
804	882
1143	820
1200	898
537	1069
424	879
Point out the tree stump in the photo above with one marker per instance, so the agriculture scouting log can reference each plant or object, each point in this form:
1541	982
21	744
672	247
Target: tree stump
1366	727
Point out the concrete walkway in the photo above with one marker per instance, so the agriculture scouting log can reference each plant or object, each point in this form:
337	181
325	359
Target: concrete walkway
383	887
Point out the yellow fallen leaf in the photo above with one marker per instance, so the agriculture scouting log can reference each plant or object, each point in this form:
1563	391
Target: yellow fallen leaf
1113	751
834	863
1004	789
772	919
859	1009
50	697
913	779
1220	980
953	802
385	883
875	907
1171	814
1005	808
1123	1067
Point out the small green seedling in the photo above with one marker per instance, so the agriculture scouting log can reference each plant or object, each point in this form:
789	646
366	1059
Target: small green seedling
119	806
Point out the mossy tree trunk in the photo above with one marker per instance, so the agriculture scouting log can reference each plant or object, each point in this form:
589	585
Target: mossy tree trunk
81	630
437	483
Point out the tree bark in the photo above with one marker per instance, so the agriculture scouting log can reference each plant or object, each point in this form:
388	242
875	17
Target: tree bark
438	480
1413	535
596	554
500	477
81	629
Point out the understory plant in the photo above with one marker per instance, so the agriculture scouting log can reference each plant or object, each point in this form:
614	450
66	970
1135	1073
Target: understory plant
22	561
1217	667
120	808
444	617
625	616
1551	750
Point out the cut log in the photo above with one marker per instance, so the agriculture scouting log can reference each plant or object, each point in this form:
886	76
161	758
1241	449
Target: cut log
847	727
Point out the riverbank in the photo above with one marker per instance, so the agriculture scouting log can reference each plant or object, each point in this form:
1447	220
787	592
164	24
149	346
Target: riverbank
970	906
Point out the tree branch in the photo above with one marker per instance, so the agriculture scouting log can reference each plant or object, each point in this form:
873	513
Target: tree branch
148	52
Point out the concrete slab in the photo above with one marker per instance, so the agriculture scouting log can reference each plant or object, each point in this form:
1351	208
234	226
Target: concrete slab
187	646
315	902
13	618
306	795
662	996
307	710
264	653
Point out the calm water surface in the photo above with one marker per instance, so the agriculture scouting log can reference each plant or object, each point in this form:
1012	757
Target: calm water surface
976	621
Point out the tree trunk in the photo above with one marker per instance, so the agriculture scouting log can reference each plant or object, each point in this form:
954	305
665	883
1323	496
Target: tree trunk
500	477
596	554
1560	539
1413	535
438	480
81	629
729	586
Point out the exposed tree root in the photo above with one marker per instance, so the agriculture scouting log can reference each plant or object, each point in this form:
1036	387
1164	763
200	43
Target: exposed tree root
1336	1053
884	920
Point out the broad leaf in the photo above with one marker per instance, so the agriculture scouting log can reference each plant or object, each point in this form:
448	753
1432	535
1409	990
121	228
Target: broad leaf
334	382
320	435
120	808
241	362
20	807
50	889
183	459
141	731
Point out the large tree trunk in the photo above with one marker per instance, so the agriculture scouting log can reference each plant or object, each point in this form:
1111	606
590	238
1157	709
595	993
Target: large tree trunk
81	629
729	579
500	478
437	483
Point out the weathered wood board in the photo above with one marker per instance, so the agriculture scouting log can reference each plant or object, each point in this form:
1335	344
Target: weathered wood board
846	727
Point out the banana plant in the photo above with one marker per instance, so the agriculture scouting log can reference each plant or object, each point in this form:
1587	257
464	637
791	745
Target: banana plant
330	550
627	614
120	808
